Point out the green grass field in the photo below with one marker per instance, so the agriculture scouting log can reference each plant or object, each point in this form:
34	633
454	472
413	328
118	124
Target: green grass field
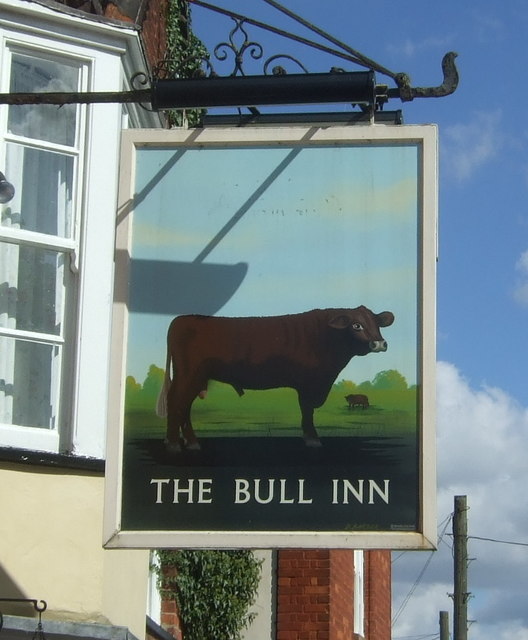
276	413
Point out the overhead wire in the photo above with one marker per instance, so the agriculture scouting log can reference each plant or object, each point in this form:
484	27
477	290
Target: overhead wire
413	588
440	539
423	636
517	544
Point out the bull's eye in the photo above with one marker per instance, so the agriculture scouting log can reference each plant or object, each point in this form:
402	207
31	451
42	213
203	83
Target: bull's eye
357	327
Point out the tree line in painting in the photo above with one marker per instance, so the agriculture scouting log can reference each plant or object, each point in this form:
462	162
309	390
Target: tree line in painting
144	396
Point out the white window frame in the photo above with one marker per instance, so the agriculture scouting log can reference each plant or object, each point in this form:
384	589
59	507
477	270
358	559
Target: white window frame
85	390
49	438
359	592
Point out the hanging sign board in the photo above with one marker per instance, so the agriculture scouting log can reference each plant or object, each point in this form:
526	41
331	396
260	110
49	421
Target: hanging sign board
274	331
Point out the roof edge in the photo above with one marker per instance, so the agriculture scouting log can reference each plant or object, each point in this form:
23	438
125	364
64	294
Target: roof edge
16	627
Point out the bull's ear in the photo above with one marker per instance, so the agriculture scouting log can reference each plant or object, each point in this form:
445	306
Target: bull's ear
384	319
341	321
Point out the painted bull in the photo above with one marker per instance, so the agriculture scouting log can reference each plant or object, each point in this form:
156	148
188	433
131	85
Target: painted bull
304	351
357	400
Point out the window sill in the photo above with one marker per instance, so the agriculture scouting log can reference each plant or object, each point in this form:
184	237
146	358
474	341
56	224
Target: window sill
56	460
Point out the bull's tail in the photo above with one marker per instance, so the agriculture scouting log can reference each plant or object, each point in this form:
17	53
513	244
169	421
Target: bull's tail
161	404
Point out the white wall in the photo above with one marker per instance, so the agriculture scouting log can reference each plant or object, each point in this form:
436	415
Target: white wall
263	626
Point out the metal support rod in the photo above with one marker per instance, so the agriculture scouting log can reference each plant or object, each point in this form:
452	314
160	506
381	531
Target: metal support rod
460	596
358	57
63	97
182	93
244	91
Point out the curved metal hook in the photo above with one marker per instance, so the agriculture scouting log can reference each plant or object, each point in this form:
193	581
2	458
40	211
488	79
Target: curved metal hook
40	608
407	93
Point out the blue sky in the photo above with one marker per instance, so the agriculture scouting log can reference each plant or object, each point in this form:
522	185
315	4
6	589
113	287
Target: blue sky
482	343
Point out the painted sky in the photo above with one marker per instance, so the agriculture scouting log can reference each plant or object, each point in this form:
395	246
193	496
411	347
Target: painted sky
482	277
318	227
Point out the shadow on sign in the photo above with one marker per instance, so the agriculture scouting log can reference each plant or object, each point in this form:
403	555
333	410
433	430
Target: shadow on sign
176	288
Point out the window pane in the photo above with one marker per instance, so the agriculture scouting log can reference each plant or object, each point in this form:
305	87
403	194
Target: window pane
31	288
28	383
43	198
43	122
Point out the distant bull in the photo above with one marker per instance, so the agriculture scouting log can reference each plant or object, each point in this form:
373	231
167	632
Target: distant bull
357	400
304	351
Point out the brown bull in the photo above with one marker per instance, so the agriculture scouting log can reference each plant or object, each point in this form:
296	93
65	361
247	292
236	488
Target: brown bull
357	400
304	351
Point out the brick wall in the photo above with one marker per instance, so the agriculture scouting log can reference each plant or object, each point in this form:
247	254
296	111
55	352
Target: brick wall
170	617
341	594
303	596
154	32
153	27
315	595
378	595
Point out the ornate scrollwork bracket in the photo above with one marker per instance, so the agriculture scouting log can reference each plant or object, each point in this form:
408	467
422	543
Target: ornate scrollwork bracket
240	48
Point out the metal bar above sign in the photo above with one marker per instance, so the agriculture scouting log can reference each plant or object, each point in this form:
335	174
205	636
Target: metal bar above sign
315	88
185	93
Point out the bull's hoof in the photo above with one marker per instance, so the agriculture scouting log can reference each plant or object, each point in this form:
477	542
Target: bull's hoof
193	446
312	442
172	447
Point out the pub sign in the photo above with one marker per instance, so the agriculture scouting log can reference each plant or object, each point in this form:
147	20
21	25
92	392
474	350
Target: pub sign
272	378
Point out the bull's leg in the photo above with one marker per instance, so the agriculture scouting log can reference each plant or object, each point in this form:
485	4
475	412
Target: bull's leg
307	406
177	413
195	389
179	402
310	399
191	441
185	392
174	420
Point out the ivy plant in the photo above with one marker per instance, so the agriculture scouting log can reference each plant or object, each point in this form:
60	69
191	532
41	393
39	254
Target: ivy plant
213	590
185	54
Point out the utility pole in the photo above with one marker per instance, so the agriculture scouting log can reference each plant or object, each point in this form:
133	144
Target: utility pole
461	595
444	625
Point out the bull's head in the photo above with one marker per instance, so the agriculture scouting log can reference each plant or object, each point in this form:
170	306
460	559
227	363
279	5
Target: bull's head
364	326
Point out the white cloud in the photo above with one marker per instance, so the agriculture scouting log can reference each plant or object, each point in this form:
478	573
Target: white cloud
421	615
410	48
468	146
522	263
488	28
482	445
520	292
